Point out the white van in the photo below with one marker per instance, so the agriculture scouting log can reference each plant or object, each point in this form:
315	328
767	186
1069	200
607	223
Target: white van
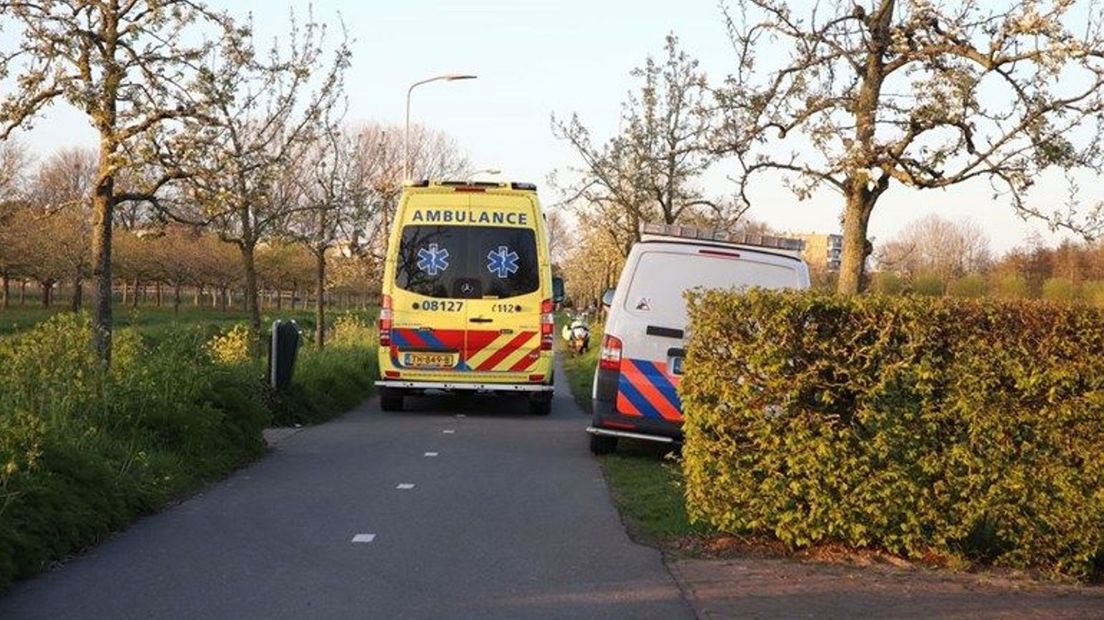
635	390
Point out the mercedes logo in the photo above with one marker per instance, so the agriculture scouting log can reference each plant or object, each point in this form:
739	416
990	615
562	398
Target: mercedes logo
466	288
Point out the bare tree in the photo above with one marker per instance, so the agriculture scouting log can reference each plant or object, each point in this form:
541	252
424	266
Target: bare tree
433	155
334	188
15	165
935	245
127	66
62	190
560	235
268	109
926	94
648	171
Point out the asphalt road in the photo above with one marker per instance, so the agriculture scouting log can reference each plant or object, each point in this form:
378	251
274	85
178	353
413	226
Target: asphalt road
510	519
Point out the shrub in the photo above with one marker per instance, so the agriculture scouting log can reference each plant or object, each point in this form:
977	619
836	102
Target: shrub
351	330
231	346
886	283
326	383
928	284
1009	286
964	427
1094	293
972	285
1059	289
330	381
84	450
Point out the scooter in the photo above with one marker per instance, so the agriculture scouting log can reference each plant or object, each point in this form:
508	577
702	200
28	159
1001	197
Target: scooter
577	335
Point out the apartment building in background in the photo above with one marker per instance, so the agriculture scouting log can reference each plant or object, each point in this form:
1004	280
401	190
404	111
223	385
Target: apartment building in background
822	250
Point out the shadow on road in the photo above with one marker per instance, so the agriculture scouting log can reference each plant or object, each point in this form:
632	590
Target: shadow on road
470	404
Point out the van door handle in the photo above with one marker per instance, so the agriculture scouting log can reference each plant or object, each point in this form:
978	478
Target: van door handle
664	332
480	319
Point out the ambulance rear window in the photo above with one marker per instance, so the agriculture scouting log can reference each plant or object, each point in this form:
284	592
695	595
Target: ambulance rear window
470	262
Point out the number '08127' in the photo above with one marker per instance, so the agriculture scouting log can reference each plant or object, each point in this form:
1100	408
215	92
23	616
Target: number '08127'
441	306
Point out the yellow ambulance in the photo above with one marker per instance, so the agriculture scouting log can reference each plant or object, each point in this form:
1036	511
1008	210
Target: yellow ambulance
468	294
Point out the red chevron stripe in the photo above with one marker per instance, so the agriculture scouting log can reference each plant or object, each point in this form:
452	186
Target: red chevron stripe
506	350
526	362
477	340
411	337
451	338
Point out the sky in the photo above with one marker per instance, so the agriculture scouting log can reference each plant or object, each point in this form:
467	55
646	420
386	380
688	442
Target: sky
538	58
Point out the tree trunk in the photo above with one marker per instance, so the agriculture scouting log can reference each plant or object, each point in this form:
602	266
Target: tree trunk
176	298
198	295
157	292
319	304
134	299
251	306
856	248
5	303
279	299
78	295
22	292
46	286
103	207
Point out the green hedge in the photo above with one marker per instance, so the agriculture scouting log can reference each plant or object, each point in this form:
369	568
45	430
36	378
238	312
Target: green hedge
85	451
970	429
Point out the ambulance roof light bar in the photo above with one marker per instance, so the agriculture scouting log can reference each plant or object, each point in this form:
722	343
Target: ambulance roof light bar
528	187
712	234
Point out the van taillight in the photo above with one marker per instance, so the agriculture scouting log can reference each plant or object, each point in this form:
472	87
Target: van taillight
610	356
385	321
548	322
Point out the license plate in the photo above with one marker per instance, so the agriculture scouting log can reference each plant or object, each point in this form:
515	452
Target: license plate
429	360
676	365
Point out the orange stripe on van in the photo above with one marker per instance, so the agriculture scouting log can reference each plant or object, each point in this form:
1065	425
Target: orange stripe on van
654	397
625	407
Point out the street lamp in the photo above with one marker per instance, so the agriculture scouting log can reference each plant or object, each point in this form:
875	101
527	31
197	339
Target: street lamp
449	77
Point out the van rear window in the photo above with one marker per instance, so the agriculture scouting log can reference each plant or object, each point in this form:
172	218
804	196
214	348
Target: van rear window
660	279
468	262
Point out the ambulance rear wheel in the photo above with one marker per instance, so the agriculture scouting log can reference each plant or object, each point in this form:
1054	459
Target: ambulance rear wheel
602	444
391	399
540	403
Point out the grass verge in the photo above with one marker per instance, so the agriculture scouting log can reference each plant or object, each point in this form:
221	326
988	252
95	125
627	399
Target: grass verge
645	478
85	450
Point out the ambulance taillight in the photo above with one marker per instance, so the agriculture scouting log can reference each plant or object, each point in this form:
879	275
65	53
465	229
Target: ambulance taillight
609	358
385	321
548	322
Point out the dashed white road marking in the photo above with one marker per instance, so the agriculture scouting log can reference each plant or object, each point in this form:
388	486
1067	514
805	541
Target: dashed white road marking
364	538
428	454
461	415
448	431
404	486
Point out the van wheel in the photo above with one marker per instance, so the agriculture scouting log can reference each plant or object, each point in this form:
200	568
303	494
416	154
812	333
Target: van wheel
539	404
391	399
602	444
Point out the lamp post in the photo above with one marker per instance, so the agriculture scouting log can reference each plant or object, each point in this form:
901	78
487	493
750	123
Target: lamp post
449	77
